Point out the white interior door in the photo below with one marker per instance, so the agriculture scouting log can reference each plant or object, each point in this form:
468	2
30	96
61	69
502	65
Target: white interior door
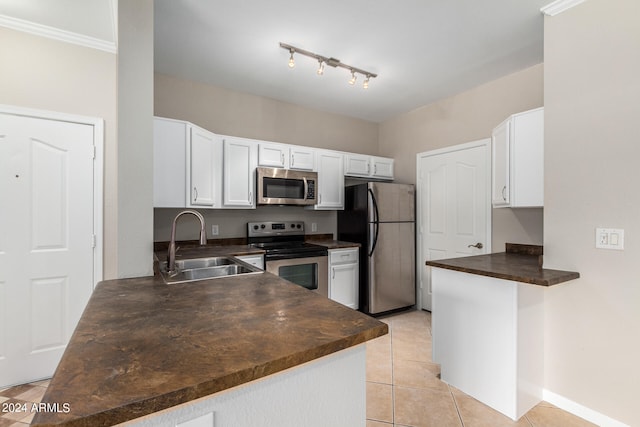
46	241
454	206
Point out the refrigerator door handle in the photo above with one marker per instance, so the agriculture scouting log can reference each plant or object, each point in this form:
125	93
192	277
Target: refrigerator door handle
376	217
374	228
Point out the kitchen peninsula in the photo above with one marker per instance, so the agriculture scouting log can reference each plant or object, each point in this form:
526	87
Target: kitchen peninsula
234	351
488	325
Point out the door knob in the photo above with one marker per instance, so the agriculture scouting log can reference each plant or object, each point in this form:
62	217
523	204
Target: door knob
477	245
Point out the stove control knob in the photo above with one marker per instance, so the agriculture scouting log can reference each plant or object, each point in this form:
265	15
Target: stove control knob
262	226
298	226
255	227
293	225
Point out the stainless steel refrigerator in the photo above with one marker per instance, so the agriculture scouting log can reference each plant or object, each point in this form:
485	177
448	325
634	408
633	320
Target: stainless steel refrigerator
381	217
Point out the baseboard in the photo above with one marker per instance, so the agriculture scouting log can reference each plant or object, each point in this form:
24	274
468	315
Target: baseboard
580	411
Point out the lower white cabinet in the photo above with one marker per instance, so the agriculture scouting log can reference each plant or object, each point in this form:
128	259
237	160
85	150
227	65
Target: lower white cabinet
255	260
343	276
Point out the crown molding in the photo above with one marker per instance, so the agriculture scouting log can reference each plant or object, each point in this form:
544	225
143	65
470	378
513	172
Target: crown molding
57	34
559	6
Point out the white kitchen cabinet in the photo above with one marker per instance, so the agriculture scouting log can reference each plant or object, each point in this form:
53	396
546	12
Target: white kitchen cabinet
364	166
255	260
330	187
187	161
518	160
357	165
302	158
205	163
343	276
169	163
239	166
273	155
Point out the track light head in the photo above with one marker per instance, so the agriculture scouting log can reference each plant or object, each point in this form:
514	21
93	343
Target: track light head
352	81
365	85
320	67
292	63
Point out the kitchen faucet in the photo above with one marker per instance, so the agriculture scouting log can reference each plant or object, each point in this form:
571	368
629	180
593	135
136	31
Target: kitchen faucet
171	256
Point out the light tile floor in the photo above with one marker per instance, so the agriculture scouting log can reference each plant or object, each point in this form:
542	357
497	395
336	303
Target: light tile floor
16	403
403	389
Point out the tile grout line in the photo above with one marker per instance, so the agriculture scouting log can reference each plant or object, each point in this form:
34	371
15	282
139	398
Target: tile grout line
455	403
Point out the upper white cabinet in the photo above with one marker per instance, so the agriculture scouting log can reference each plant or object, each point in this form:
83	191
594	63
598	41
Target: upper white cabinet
272	155
518	160
239	166
205	154
302	158
361	165
187	161
330	180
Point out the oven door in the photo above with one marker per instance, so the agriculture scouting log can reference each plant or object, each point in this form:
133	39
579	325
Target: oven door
311	273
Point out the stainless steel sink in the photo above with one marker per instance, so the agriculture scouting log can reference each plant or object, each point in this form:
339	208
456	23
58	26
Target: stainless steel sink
192	270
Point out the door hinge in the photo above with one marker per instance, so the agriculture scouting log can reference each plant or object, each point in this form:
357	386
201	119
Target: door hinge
93	240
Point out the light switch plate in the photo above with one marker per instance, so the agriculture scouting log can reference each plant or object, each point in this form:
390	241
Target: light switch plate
214	230
610	238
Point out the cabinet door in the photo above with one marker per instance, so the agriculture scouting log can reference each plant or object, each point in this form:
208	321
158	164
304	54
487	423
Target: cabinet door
382	167
239	172
302	158
344	284
169	163
527	159
330	180
357	165
202	157
500	189
272	155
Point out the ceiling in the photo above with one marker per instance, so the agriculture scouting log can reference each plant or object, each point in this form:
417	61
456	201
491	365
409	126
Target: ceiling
422	50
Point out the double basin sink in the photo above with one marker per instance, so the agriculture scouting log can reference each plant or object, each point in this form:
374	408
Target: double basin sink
194	269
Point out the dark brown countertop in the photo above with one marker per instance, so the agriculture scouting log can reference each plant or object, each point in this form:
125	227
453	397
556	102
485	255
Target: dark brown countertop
521	263
334	244
142	346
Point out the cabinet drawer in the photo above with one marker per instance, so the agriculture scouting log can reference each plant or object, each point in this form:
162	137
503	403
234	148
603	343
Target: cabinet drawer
343	256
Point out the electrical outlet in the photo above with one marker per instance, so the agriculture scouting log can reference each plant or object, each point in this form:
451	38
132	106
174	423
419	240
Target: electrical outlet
214	230
314	226
610	238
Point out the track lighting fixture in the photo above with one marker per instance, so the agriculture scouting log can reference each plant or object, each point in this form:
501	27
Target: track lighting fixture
333	62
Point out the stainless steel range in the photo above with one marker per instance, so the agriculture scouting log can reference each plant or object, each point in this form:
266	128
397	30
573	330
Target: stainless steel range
289	256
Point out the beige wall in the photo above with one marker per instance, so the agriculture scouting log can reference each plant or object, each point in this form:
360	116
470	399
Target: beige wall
466	117
233	113
592	147
50	75
135	138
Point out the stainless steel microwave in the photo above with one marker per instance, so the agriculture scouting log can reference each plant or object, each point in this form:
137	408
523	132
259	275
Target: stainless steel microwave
286	187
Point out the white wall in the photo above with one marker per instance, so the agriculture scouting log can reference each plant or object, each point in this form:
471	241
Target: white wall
135	138
592	147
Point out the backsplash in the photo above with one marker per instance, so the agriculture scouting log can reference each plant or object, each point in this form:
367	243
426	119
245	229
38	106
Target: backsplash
233	222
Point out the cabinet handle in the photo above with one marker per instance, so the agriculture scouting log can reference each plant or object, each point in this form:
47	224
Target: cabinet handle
195	191
319	199
333	271
368	168
504	196
375	169
293	160
282	158
250	197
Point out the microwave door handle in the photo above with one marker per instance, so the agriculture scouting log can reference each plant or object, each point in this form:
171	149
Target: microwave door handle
306	188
